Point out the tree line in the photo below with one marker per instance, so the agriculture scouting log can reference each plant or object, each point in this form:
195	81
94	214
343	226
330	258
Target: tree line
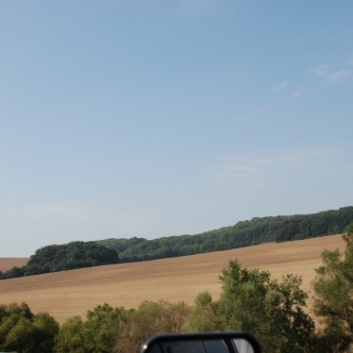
256	231
250	300
245	233
54	258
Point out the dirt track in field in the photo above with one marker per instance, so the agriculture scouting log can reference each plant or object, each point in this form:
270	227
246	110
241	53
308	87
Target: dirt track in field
65	294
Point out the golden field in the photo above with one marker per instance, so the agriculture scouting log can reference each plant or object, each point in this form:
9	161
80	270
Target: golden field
9	262
69	293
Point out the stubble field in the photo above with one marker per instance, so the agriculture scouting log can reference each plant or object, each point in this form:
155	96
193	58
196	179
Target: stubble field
65	294
9	262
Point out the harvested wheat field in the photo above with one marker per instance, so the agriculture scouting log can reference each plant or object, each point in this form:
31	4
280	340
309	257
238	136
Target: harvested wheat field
7	263
65	294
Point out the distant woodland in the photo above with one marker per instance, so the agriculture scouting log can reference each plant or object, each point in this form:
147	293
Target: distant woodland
246	233
256	231
54	258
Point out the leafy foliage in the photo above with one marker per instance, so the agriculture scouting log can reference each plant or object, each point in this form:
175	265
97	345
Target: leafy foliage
149	319
97	334
334	297
120	245
273	311
101	328
204	316
246	233
79	254
116	330
21	330
70	337
73	255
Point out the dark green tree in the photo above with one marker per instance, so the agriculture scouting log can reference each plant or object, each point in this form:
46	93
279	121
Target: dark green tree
46	329
333	287
53	258
272	311
246	233
203	316
21	330
101	329
70	338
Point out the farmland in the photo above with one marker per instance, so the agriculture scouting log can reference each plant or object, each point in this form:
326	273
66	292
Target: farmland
65	294
9	262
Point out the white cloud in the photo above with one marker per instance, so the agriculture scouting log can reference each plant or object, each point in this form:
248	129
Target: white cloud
281	86
258	166
332	76
263	108
339	75
320	70
297	93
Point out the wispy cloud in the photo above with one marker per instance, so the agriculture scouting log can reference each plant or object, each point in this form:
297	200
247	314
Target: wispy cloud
281	86
297	93
301	156
263	108
339	75
331	75
320	70
260	165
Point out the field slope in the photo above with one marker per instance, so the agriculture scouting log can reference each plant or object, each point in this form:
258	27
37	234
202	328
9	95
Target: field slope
69	293
6	263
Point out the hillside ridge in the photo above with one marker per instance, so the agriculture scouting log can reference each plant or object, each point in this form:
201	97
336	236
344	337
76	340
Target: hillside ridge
258	230
68	293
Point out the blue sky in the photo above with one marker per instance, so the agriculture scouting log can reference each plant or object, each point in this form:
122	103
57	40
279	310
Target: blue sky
152	118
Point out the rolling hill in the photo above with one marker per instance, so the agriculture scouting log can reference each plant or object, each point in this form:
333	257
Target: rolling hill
68	293
6	263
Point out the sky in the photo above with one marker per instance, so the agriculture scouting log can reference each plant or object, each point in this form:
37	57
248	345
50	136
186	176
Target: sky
151	118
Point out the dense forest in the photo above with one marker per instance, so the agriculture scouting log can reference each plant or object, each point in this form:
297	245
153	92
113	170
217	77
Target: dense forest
54	258
245	233
258	230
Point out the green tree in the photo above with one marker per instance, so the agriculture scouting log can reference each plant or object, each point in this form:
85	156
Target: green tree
21	336
70	338
149	319
102	327
203	317
46	329
272	311
21	330
333	304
